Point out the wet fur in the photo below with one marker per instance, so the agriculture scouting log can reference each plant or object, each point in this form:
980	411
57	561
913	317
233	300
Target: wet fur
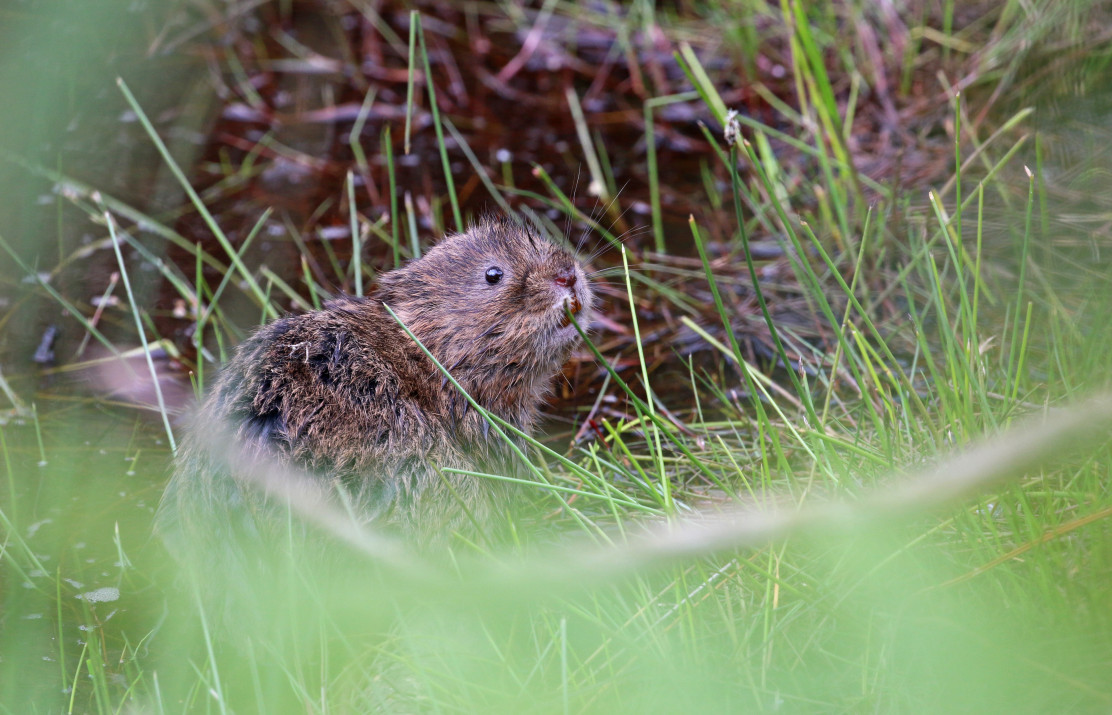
346	395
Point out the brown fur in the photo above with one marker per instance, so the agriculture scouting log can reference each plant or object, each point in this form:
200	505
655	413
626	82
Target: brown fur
346	395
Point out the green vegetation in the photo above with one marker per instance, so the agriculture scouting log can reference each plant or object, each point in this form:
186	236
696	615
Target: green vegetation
883	486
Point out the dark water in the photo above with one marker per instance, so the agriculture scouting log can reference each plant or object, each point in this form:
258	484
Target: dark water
77	531
82	543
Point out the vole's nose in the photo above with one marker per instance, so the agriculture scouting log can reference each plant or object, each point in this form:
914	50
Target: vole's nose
566	279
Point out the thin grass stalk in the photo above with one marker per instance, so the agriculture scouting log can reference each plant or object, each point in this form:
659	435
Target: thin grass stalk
971	135
615	515
812	70
721	484
60	639
808	405
13	535
654	179
725	318
689	61
911	50
841	327
354	136
650	158
768	615
977	268
874	367
674	296
1021	282
766	433
263	315
480	170
780	136
956	249
141	332
759	382
356	238
13	398
415	18
243	81
952	242
913	260
789	20
38	434
608	175
1005	129
763	382
77	674
598	181
639	476
964	345
975	344
13	499
273	279
1044	215
711	193
957	163
828	312
947	28
202	209
1017	376
602	488
95	666
395	219
665	484
170	272
640	405
838	197
867	321
214	301
953	401
937	381
311	284
753	385
642	420
217	689
760	211
199	288
411	224
410	92
548	486
565	690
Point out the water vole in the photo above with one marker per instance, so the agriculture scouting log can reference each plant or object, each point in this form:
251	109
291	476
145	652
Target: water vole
346	395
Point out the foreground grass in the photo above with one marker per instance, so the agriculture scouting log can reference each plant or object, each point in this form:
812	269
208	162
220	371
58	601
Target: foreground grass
830	582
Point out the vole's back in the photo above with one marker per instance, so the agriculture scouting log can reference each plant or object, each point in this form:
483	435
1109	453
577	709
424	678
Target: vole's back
337	396
344	405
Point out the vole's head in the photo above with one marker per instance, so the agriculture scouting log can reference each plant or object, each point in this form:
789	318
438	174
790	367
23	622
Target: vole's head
491	302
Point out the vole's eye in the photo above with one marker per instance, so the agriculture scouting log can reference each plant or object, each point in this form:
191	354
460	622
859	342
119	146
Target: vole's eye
493	274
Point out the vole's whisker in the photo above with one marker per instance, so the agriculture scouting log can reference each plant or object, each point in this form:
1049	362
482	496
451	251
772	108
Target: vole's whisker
615	291
568	220
602	247
614	270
